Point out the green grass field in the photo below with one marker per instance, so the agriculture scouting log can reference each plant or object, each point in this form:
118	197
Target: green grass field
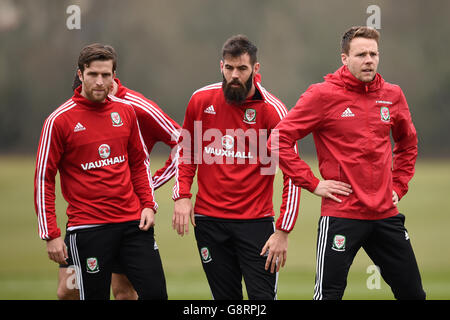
27	273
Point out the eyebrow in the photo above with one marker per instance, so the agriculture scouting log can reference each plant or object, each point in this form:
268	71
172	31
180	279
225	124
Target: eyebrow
241	66
102	73
365	51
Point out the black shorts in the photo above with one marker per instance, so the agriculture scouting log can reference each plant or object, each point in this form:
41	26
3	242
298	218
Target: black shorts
116	266
385	241
94	252
230	250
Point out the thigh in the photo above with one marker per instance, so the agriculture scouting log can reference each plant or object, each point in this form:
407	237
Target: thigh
67	283
140	259
92	252
122	288
249	239
338	241
67	278
390	249
219	259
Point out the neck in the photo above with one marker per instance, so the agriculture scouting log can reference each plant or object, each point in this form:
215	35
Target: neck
251	93
83	94
115	87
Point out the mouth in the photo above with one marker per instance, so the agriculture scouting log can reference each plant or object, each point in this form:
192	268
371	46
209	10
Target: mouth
235	83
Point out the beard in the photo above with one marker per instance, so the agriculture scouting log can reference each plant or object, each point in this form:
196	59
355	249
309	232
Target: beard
237	95
96	96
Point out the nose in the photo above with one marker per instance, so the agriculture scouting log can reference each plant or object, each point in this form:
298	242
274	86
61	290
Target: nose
99	80
235	74
368	59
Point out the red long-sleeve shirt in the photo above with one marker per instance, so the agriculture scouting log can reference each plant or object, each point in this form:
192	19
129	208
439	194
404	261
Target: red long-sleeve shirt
236	186
351	122
155	126
103	164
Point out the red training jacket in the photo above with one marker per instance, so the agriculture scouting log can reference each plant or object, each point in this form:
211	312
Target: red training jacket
103	164
155	126
351	122
236	187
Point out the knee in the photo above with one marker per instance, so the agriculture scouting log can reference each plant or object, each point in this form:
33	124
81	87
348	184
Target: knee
125	294
122	288
64	293
153	295
67	288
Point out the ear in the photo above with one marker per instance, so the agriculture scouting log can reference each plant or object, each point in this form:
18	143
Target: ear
221	65
256	67
80	75
344	59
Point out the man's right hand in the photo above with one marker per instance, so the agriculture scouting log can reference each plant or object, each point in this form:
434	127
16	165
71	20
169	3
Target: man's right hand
327	189
182	211
57	250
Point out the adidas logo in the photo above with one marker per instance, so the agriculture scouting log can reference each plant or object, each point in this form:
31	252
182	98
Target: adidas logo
347	113
210	110
79	127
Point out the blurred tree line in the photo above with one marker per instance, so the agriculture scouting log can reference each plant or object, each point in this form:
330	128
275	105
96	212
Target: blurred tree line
168	49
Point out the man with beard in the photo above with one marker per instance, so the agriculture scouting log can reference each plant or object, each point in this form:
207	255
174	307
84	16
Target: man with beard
233	214
156	126
94	141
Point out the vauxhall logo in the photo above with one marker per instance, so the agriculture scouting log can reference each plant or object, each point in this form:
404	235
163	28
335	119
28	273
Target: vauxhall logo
104	152
226	150
234	146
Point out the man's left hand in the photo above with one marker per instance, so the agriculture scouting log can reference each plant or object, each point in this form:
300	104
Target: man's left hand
277	246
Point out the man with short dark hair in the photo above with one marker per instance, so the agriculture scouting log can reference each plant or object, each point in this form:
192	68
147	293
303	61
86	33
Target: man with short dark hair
351	116
94	141
234	225
156	126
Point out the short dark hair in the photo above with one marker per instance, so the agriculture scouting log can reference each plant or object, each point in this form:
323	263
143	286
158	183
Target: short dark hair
358	32
96	51
238	45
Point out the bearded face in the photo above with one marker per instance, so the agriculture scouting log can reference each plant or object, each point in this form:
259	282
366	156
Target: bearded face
238	73
235	91
97	80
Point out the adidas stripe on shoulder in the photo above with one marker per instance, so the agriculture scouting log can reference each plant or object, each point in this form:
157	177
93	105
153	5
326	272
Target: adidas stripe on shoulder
213	86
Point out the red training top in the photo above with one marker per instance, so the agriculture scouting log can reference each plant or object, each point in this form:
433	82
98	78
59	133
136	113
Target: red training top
103	164
228	147
155	126
351	122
